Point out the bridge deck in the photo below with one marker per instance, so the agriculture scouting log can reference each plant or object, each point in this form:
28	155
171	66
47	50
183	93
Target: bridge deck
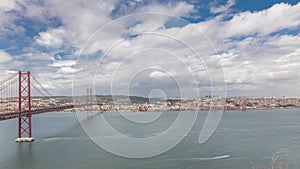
12	115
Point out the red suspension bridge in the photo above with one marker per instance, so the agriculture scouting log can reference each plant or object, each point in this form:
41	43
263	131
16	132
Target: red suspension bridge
16	102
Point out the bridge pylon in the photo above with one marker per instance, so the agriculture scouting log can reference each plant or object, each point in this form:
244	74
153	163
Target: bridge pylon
244	106
89	100
24	107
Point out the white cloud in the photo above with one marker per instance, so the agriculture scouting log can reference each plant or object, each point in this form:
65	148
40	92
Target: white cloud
278	17
177	9
9	63
259	67
157	75
83	20
7	5
51	38
67	70
63	63
8	27
16	10
4	57
252	58
259	62
36	55
258	23
91	16
222	8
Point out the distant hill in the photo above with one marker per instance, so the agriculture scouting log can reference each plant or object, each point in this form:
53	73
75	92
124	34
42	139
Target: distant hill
106	98
133	99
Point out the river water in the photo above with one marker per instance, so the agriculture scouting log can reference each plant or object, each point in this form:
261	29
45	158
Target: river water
243	139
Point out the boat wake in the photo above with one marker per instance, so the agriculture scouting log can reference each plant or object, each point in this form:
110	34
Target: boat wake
198	158
60	138
191	159
208	158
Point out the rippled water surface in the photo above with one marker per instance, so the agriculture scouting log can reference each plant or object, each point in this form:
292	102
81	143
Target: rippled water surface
248	139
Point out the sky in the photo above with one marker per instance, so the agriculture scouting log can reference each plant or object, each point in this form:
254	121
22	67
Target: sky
171	48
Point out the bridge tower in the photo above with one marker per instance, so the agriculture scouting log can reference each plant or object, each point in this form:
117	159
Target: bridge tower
24	108
89	100
244	106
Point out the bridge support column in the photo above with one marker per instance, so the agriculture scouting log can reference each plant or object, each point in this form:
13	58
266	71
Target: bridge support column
244	106
24	128
89	100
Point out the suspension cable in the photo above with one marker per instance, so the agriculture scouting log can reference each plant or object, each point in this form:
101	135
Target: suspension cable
38	90
41	86
8	78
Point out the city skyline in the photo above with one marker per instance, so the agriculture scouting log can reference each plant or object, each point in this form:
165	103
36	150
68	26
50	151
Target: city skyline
256	45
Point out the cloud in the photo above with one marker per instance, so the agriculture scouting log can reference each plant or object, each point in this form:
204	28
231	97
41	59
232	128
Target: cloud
157	75
280	16
84	19
249	63
16	14
222	8
4	57
262	68
63	63
8	27
7	5
91	16
177	9
51	38
9	63
255	55
67	70
258	49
